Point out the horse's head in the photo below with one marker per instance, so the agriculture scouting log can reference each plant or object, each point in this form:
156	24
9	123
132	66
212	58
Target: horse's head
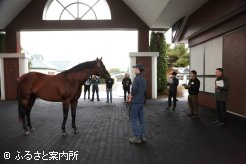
101	70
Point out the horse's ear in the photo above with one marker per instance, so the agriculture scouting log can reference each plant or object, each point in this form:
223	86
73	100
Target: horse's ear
101	58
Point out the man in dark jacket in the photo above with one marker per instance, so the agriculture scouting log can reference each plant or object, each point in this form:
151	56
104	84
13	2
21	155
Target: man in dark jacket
87	87
193	89
137	98
126	83
221	94
109	84
95	81
173	83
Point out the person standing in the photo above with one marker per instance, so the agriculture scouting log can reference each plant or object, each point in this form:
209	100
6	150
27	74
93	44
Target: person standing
109	84
87	88
221	94
193	90
137	98
173	83
95	81
126	82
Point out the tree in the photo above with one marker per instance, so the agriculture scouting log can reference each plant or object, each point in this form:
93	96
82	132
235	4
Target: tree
178	56
158	44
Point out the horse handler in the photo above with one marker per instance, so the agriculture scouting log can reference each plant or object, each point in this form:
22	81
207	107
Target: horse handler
137	98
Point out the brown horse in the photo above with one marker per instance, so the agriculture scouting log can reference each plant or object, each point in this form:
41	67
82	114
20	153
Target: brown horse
64	87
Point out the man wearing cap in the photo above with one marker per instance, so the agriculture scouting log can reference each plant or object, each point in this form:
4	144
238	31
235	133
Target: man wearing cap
221	94
193	89
137	98
173	83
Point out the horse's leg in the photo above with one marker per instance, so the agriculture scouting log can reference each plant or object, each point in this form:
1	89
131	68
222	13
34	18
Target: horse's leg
23	117
30	105
73	113
65	114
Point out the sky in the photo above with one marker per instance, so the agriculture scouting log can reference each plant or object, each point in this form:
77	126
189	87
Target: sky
81	46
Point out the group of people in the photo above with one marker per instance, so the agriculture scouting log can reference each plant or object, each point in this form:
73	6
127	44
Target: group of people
94	81
221	94
135	96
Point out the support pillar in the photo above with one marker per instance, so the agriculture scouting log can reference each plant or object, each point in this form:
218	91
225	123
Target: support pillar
143	40
149	60
13	41
12	66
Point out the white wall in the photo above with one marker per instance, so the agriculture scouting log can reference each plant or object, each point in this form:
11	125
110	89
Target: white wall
197	58
213	55
197	61
205	58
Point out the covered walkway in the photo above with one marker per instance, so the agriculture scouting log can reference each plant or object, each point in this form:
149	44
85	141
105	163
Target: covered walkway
172	136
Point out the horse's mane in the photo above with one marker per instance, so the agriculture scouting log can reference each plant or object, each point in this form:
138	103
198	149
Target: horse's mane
81	66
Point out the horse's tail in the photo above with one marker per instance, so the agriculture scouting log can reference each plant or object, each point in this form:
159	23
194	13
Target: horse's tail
18	99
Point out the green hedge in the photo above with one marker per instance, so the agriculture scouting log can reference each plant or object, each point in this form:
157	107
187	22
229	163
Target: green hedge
158	44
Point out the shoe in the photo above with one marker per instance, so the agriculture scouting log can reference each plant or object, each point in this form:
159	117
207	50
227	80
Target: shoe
220	124
168	108
134	140
216	122
106	101
143	139
92	100
173	109
98	100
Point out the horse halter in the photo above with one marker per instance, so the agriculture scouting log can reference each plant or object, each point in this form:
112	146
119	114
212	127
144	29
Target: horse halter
100	69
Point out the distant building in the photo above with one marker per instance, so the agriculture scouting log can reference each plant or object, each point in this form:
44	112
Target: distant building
183	74
38	64
61	65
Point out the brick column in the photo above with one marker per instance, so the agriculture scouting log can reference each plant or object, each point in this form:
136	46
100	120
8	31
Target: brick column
143	46
11	73
11	65
13	41
149	60
143	40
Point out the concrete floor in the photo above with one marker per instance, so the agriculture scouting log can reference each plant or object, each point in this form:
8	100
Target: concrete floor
104	130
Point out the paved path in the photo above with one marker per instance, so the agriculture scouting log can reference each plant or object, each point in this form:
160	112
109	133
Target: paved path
104	130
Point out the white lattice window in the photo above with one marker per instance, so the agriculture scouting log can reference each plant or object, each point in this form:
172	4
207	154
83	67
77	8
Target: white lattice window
77	10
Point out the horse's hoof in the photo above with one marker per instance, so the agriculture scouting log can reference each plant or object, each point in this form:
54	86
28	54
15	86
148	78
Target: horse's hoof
27	133
64	134
76	131
32	130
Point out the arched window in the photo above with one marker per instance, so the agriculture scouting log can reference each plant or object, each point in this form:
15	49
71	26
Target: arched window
77	10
